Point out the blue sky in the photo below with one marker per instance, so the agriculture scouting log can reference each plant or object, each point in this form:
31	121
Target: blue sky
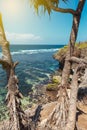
23	26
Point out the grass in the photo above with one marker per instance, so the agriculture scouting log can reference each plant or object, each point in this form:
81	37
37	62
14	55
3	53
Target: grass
61	53
51	87
54	85
81	45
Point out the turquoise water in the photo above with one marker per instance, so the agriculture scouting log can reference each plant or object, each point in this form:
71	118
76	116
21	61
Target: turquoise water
36	64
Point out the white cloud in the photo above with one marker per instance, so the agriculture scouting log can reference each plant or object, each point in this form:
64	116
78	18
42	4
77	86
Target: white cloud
27	37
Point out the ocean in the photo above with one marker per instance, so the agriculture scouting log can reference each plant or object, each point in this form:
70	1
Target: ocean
36	64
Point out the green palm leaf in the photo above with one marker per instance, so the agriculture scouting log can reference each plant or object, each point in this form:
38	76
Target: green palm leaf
43	3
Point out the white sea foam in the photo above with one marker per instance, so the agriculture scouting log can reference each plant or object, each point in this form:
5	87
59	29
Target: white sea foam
33	51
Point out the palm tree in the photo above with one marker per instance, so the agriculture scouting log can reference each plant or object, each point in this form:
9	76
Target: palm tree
62	108
49	5
13	97
62	112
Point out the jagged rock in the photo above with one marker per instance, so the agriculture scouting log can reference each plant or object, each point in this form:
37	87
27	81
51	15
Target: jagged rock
46	111
80	52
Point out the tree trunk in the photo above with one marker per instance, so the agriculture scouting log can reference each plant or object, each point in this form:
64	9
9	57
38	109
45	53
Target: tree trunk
73	98
17	116
58	117
66	71
73	36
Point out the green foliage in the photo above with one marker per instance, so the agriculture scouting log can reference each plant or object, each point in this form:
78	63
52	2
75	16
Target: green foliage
51	87
81	45
78	45
45	5
56	80
60	54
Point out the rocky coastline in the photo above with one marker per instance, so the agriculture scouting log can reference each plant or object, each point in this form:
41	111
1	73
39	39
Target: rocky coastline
43	98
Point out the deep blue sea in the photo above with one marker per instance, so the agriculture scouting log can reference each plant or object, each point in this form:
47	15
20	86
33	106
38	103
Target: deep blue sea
36	64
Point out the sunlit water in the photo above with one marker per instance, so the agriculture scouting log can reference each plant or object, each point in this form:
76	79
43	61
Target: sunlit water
36	64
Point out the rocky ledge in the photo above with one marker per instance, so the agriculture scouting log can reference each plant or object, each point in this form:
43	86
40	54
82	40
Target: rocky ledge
46	96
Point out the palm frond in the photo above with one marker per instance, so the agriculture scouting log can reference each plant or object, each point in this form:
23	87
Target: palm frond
44	4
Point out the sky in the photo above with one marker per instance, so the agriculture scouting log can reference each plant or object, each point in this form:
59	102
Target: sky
23	26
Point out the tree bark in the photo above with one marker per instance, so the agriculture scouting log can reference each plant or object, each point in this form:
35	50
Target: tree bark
78	60
66	71
73	98
58	118
73	36
17	115
61	10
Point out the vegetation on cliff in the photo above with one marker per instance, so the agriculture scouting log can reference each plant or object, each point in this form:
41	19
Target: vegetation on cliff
80	51
53	86
63	116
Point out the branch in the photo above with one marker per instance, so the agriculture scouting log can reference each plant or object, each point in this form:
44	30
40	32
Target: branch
78	60
16	63
57	9
4	62
80	6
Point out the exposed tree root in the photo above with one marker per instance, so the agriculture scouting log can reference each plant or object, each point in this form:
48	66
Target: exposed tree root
57	119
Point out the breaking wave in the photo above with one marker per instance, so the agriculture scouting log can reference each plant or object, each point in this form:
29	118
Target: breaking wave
33	51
